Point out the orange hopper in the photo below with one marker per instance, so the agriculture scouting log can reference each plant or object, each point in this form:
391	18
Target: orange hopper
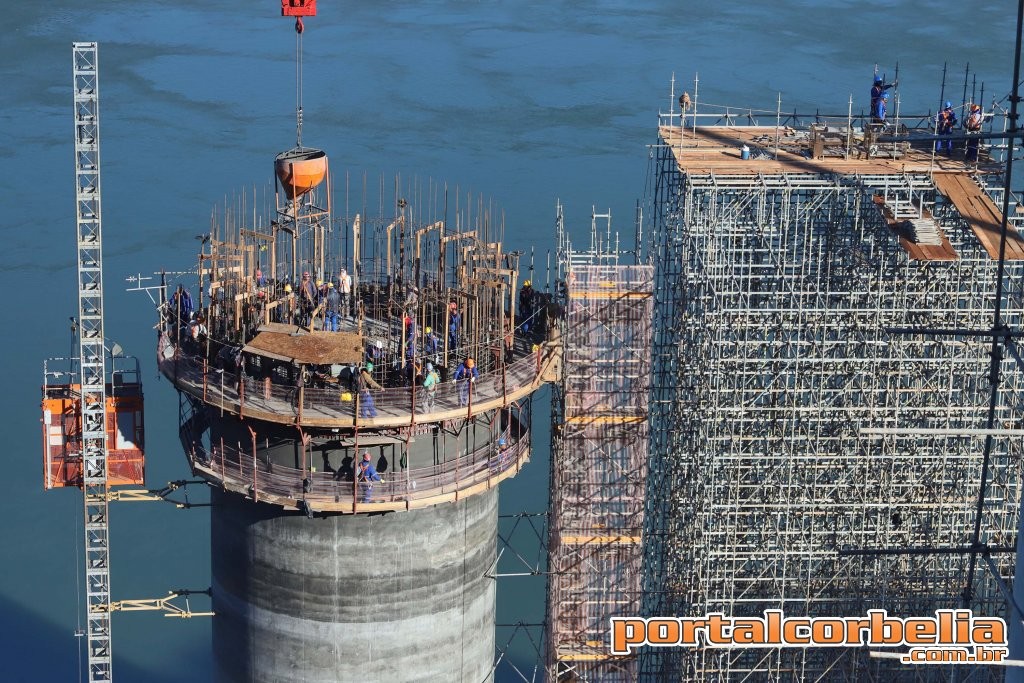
300	170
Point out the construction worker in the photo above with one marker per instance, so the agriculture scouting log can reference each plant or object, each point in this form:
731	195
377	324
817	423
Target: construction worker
412	373
945	120
500	459
526	300
375	352
180	307
366	475
197	332
878	89
431	342
878	110
465	375
332	306
345	290
307	298
973	126
409	324
430	381
364	382
454	324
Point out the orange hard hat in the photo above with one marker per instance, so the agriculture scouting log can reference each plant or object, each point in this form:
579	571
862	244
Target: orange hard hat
470	362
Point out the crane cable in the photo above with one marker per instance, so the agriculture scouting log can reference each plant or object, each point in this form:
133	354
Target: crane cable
299	28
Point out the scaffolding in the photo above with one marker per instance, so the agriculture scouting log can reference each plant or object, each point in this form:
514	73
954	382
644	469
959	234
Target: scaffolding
599	455
792	421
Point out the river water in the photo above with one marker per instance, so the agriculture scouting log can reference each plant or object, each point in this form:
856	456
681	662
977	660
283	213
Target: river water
527	102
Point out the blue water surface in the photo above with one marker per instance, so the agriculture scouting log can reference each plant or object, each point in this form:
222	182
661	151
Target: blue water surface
527	102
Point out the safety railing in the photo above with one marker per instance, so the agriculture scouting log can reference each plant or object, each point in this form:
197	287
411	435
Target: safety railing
341	405
479	470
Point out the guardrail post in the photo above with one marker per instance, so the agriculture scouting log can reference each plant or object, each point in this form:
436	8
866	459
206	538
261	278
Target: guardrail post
255	486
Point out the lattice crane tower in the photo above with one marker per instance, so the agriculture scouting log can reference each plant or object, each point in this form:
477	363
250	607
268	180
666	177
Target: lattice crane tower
92	365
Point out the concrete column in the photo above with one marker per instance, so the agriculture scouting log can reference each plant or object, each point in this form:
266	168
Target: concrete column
387	597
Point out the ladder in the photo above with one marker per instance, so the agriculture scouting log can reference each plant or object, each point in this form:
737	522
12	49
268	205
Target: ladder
91	359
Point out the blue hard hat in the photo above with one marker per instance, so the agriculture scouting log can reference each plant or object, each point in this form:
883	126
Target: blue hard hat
885	96
501	442
878	79
948	104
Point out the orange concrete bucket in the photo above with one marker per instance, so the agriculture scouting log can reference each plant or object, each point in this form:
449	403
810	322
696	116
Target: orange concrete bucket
300	170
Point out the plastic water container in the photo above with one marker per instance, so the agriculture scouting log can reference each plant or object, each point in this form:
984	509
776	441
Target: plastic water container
744	152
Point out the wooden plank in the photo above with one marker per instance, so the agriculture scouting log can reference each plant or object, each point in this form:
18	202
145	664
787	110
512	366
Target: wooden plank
981	214
604	419
918	252
609	295
601	540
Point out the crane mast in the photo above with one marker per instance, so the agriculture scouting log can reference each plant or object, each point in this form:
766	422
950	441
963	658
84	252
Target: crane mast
92	360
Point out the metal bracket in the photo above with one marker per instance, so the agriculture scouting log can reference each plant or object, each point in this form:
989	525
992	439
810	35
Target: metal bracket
165	604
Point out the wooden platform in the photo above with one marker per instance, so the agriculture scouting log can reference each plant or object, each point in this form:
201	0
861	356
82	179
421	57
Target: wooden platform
782	150
716	149
981	214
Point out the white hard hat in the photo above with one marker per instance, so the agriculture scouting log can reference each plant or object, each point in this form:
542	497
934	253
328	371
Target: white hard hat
379	344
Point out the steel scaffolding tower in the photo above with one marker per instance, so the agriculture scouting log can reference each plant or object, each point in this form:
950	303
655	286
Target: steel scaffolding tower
790	422
92	365
599	456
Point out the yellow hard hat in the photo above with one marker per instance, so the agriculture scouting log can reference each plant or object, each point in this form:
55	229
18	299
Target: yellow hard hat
319	282
287	288
427	330
527	284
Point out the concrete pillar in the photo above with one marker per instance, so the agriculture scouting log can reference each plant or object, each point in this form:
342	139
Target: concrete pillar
386	597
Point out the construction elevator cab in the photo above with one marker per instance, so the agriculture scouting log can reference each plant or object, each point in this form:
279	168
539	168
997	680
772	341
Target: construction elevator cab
62	424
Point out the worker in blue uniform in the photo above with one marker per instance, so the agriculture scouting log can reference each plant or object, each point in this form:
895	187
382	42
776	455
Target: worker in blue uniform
878	89
431	344
465	375
366	475
365	382
945	120
878	112
454	325
332	306
181	308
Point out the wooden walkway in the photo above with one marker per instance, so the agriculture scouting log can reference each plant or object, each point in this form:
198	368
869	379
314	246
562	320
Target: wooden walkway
393	407
981	213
